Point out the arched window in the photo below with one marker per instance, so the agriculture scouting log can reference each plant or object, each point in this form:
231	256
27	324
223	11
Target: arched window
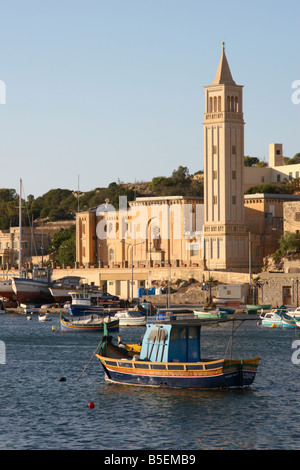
215	104
232	104
228	103
219	103
210	110
236	104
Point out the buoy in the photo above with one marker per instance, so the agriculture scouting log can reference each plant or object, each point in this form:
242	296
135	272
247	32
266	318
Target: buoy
53	328
62	379
274	325
91	404
28	318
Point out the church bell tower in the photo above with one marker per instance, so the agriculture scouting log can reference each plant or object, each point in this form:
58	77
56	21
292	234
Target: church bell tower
225	236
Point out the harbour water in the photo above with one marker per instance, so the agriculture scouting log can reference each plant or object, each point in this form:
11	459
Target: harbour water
40	412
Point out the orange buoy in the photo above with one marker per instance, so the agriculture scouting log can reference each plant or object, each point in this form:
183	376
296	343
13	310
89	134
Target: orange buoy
91	404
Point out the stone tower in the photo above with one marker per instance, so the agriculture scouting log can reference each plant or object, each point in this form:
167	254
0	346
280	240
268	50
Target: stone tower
225	236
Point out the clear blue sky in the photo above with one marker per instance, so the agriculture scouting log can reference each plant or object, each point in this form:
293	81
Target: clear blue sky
113	89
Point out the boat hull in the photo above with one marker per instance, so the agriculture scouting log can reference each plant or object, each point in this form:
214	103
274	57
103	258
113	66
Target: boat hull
205	376
210	314
67	325
31	291
84	309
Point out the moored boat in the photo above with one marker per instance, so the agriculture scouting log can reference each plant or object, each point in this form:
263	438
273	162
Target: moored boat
288	321
273	318
85	302
91	323
254	308
170	357
212	314
44	317
130	318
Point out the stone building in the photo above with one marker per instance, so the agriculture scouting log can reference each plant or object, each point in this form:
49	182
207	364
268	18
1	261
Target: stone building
275	173
35	242
227	232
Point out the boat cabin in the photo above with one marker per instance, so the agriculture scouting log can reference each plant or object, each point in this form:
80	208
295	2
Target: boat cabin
172	342
85	298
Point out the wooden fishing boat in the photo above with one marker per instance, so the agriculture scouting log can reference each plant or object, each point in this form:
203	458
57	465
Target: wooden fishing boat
273	318
88	323
255	308
288	321
170	357
212	314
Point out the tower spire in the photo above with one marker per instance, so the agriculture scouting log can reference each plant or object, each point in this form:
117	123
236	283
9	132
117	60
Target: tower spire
223	75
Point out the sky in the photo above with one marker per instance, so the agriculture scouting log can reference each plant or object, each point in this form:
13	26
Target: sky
101	91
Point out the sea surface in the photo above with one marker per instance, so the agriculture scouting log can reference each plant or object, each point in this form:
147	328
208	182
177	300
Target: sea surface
40	412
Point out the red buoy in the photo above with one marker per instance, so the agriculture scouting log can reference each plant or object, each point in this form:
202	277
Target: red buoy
91	404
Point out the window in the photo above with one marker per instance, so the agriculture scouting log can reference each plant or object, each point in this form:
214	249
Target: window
215	199
278	178
233	174
290	175
111	255
297	216
214	149
233	149
233	200
215	173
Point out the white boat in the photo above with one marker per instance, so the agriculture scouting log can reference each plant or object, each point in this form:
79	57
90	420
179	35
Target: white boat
30	308
35	289
273	318
131	318
44	317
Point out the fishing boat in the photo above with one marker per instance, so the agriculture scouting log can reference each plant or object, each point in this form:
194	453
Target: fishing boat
44	317
91	323
255	308
60	288
212	314
170	357
146	307
288	321
131	318
6	290
273	318
85	302
34	289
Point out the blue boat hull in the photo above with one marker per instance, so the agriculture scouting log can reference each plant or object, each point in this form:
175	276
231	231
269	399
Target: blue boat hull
238	376
84	310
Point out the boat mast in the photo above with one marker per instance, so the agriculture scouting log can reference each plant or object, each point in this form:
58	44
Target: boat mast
20	227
